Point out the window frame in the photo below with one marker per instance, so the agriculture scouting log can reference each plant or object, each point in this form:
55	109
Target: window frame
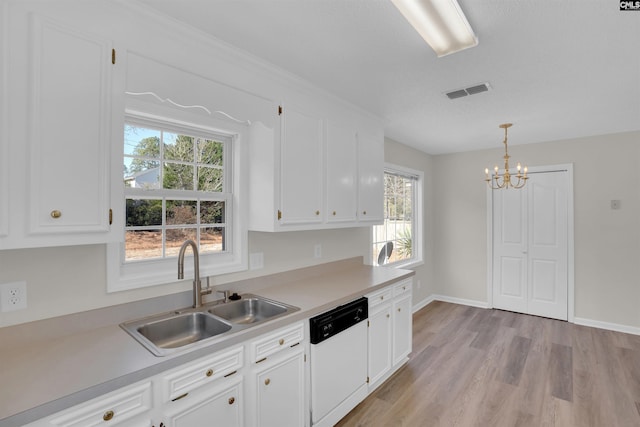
417	219
136	274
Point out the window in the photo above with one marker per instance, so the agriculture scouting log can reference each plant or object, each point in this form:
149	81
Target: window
180	180
175	190
398	241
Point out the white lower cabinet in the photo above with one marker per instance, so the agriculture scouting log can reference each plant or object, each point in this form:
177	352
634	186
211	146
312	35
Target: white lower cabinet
219	405
276	380
390	331
402	326
279	392
206	392
380	335
130	406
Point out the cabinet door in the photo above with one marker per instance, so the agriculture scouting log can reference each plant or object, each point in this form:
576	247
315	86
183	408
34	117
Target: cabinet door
402	328
69	136
280	393
341	179
370	177
380	330
300	168
216	406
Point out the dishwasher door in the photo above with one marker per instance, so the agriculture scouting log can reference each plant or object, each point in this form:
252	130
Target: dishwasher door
338	374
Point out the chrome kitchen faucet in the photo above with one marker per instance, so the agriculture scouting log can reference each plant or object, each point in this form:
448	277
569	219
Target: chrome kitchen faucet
198	292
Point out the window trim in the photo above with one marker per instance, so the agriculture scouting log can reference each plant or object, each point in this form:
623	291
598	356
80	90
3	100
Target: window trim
418	219
123	276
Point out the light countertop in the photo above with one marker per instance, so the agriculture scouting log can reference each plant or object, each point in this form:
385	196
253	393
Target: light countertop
55	371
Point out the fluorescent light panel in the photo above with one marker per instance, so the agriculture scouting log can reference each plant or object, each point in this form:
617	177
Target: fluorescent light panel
441	23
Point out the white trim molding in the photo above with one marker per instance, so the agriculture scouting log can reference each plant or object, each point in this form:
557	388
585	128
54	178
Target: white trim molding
607	325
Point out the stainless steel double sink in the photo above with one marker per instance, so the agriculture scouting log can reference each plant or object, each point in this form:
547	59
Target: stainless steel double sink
165	333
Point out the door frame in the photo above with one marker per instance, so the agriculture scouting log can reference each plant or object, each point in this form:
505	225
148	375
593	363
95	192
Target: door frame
568	167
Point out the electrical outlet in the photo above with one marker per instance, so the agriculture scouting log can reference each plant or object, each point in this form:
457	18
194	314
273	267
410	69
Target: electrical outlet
317	251
13	296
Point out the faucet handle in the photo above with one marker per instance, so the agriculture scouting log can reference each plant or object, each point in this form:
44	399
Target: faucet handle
226	294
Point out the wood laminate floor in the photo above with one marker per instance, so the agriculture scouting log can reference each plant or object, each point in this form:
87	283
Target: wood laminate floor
478	367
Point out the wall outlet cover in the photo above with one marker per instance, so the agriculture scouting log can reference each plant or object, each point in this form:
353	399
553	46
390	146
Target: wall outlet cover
13	296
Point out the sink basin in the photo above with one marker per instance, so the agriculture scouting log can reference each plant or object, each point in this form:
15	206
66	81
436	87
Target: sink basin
249	310
176	331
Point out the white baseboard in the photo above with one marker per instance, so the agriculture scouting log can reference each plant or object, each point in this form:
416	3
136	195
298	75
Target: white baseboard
481	304
606	325
435	297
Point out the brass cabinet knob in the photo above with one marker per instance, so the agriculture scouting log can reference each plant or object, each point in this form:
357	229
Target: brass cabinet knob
232	400
398	310
108	415
55	214
317	212
210	372
267	381
281	341
334	213
381	297
364	212
388	316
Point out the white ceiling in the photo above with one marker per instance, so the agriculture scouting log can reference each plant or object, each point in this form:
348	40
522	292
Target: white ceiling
558	69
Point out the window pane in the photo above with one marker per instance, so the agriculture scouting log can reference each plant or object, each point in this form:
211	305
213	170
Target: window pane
393	240
141	142
178	147
181	212
209	152
212	212
146	175
212	239
176	237
143	244
143	212
178	176
210	179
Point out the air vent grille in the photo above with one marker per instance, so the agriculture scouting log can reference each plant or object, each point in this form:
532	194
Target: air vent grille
471	90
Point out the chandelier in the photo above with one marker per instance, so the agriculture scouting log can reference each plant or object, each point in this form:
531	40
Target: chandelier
504	180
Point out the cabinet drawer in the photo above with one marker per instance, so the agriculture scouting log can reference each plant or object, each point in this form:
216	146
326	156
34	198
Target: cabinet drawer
380	297
277	341
402	288
115	407
203	371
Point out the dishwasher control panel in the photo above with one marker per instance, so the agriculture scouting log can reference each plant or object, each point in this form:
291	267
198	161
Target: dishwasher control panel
330	323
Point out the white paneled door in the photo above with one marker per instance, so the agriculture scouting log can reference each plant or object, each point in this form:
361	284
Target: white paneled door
530	246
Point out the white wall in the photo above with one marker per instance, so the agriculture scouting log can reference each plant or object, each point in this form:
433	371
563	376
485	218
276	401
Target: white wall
607	242
72	279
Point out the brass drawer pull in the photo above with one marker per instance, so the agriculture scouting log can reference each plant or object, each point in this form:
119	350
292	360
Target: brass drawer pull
209	372
281	341
232	400
108	415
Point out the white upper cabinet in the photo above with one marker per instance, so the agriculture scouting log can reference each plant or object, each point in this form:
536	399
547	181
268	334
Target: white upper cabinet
69	109
318	173
342	174
300	168
371	177
62	111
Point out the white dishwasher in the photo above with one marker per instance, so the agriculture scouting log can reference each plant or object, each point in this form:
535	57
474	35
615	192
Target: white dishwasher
338	361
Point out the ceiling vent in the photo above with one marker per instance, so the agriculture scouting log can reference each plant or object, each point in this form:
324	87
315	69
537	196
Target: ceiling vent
472	90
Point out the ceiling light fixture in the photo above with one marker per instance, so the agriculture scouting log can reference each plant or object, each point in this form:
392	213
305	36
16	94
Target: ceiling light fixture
504	180
441	23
